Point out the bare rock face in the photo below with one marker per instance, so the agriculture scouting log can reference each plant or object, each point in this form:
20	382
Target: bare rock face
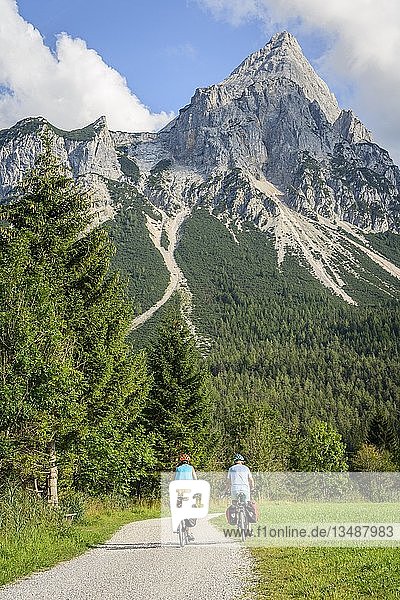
273	117
270	106
89	154
269	145
84	151
349	127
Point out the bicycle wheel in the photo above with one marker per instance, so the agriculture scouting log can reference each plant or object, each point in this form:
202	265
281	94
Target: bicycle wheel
242	525
186	535
182	533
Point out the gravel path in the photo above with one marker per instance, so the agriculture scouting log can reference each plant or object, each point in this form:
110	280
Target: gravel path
134	564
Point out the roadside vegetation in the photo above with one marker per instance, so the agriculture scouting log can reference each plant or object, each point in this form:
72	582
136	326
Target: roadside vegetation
34	536
84	417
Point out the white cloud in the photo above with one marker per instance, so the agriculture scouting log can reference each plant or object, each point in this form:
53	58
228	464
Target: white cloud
364	46
70	88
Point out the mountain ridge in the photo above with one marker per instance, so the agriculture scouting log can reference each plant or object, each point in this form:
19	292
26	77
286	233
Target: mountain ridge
269	144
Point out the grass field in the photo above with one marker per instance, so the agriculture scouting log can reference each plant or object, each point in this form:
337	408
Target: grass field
327	573
324	573
379	523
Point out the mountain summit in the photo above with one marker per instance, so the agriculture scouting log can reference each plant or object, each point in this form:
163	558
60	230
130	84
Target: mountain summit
282	58
268	145
271	108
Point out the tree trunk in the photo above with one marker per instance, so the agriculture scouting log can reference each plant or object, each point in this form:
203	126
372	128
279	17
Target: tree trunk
52	495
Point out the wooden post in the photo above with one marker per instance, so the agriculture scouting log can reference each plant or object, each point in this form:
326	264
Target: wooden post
52	496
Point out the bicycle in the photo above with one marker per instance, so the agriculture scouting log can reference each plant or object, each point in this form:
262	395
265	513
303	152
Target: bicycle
183	533
242	520
183	529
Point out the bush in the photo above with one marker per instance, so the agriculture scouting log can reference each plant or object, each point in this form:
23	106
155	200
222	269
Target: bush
371	458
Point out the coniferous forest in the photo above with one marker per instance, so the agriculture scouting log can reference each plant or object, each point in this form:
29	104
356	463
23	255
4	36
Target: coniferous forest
286	351
279	369
74	395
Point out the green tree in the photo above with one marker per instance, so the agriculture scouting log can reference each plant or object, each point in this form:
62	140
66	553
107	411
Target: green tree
371	458
39	397
179	408
71	318
382	432
39	392
320	448
265	444
116	452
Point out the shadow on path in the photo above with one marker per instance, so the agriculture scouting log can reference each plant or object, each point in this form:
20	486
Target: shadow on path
150	545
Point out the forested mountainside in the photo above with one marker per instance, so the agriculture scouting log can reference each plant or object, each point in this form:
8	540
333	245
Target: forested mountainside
281	341
277	215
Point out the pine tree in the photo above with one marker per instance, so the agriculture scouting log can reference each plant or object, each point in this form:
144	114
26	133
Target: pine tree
179	408
382	432
73	316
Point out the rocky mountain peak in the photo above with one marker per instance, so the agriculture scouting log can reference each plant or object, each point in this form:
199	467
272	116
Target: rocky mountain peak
268	145
268	109
284	38
283	58
282	48
100	124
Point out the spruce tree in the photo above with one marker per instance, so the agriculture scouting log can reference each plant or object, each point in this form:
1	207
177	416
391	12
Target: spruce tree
89	390
39	390
179	408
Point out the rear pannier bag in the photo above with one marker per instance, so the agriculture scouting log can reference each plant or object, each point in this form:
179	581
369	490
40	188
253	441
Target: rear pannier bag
231	515
252	511
190	522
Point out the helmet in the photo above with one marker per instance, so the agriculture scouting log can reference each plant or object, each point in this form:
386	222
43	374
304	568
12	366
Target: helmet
238	457
184	458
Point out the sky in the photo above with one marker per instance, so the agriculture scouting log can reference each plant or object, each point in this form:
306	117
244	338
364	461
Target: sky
139	61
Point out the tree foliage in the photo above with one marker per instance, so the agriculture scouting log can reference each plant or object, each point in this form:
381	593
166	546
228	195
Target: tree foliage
371	458
68	373
179	407
279	338
319	448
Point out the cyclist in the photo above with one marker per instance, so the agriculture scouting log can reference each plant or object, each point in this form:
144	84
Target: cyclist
185	470
239	478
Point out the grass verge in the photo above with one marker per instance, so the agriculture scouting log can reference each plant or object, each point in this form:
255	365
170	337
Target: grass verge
38	540
284	573
327	573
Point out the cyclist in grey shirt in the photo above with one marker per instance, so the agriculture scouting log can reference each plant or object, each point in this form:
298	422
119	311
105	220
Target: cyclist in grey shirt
239	478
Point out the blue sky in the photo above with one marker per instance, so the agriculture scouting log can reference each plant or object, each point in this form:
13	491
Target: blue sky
166	48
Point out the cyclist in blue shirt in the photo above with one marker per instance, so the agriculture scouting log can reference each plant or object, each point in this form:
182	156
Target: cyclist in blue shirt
185	470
